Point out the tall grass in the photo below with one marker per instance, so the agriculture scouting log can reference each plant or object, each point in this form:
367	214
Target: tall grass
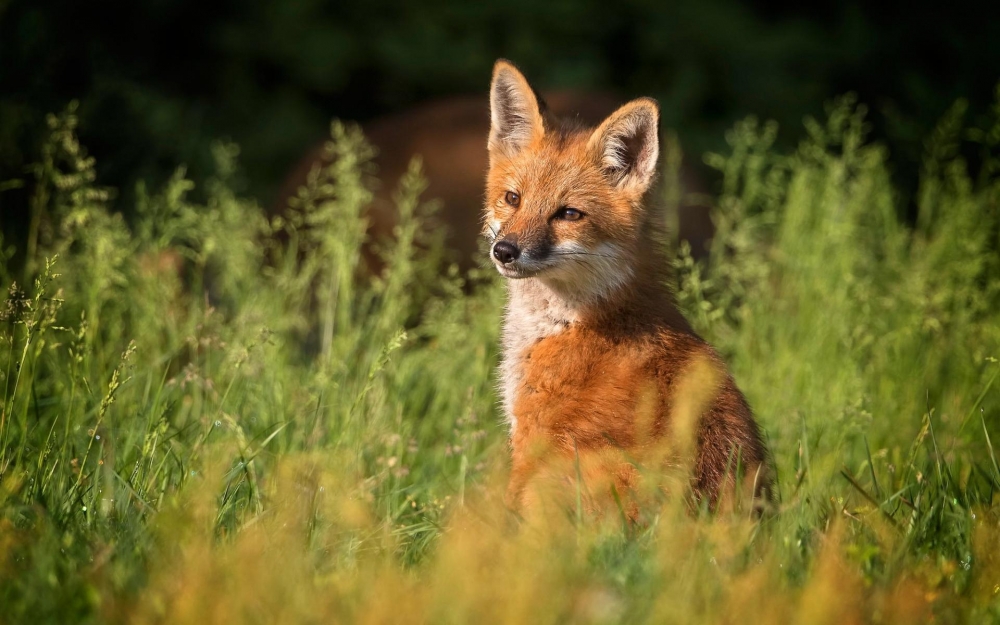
212	416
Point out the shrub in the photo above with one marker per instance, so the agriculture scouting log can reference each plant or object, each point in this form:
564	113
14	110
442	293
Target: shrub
209	416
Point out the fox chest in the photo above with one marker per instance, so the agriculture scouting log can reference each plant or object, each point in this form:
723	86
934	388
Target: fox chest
576	388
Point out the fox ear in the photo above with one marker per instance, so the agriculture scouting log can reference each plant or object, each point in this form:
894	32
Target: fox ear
515	116
627	144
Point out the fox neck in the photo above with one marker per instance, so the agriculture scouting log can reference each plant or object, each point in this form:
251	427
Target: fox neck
534	311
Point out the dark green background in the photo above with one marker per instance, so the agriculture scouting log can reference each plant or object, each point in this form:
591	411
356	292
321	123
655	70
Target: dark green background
159	80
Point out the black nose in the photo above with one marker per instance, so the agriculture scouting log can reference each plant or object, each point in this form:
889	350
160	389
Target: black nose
506	252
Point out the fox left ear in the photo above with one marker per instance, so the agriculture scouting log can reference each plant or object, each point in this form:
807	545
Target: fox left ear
627	145
515	114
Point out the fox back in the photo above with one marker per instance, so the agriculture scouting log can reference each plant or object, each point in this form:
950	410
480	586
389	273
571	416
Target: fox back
600	373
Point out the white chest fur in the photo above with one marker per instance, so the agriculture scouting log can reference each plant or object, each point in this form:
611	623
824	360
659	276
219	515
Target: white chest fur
534	311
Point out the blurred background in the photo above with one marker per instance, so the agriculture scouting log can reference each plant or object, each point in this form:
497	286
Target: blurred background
158	81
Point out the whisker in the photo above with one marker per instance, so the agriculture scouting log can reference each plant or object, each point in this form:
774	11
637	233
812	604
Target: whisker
583	254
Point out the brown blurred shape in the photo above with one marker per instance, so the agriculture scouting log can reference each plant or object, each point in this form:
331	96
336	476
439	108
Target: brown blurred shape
450	136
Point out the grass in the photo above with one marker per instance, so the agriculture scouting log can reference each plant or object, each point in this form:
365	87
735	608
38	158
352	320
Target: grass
212	416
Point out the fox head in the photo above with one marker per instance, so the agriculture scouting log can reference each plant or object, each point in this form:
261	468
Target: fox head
565	204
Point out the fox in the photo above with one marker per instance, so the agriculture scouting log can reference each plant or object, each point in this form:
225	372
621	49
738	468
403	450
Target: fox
600	374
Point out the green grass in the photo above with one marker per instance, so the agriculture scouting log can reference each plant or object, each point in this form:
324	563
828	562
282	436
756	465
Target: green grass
209	416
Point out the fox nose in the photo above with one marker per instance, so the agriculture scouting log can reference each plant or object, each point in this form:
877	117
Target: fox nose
506	252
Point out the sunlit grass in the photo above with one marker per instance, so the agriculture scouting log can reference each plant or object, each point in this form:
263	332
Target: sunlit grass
212	416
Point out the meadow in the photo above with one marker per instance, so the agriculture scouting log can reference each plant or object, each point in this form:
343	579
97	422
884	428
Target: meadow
212	415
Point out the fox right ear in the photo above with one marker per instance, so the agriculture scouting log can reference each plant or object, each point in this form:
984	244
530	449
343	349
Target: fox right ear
627	145
515	117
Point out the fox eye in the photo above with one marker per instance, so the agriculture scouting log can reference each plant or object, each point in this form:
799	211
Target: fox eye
569	214
512	199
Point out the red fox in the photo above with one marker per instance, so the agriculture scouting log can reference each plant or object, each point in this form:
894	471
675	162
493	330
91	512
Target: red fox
600	373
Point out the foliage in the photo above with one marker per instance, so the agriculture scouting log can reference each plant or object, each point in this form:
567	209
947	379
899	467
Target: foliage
216	417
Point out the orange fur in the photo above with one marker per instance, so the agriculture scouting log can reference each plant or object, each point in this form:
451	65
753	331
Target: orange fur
601	375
